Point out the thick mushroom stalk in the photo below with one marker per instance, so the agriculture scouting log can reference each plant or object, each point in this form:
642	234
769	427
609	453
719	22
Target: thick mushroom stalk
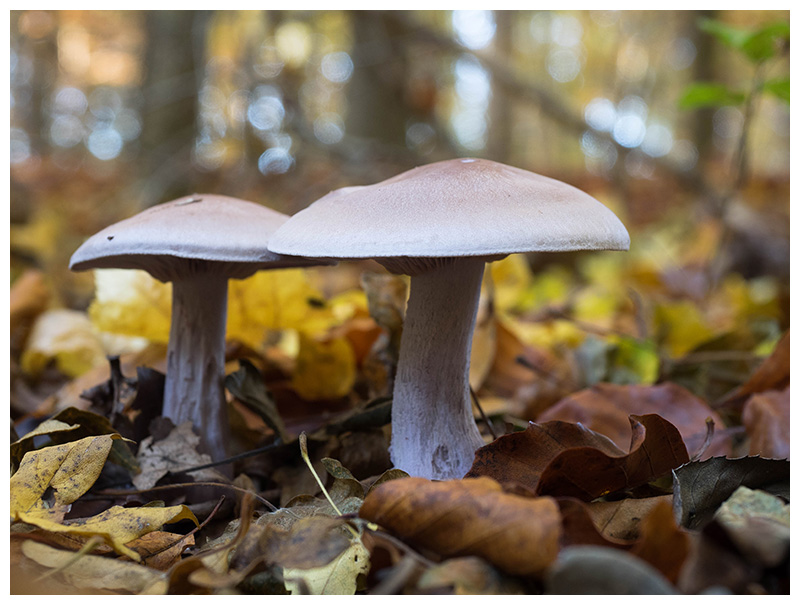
196	359
433	430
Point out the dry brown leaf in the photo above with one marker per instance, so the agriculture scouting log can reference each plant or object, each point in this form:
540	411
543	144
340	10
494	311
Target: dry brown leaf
661	542
467	576
772	374
28	298
533	385
469	517
605	408
622	519
177	451
161	549
563	459
766	419
579	528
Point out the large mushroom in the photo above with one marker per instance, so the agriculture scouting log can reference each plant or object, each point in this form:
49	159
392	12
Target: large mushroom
198	243
440	224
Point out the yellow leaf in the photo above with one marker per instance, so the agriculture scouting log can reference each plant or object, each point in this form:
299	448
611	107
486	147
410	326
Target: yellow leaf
339	577
117	525
67	337
69	470
90	571
131	302
275	300
326	369
597	306
546	334
512	278
681	326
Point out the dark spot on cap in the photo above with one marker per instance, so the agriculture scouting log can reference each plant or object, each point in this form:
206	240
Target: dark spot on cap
110	237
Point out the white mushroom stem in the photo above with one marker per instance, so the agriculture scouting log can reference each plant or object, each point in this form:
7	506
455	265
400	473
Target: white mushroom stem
194	388
433	429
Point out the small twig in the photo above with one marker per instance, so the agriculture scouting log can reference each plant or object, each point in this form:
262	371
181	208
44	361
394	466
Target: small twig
483	414
129	492
229	459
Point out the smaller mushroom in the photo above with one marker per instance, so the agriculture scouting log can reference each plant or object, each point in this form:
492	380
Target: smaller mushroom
198	243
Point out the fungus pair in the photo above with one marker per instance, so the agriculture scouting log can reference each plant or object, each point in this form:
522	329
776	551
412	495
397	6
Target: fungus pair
439	223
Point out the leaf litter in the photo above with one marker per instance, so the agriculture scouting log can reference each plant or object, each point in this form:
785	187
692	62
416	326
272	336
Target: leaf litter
594	487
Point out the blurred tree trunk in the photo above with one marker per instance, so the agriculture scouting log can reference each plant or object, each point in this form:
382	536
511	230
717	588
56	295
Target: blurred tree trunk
500	111
173	64
376	94
703	71
44	54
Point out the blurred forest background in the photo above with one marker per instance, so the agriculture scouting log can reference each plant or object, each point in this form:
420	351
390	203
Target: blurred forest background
678	121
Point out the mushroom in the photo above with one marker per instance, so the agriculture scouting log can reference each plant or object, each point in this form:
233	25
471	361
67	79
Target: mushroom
440	223
198	243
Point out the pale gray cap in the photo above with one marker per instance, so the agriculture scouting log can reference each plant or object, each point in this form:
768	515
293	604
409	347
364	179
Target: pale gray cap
196	232
461	207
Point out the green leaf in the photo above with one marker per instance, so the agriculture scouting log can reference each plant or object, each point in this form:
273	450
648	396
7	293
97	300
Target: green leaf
709	94
758	45
779	87
764	43
732	36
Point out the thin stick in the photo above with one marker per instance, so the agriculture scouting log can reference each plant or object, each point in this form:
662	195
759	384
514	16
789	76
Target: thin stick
483	414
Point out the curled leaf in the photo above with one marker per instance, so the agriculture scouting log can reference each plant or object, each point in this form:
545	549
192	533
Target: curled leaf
563	459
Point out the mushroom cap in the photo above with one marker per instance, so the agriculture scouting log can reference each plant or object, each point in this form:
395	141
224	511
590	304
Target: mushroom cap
197	231
460	207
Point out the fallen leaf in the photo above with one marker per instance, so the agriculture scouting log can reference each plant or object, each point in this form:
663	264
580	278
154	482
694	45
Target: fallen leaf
771	375
280	299
469	517
766	419
530	377
247	385
66	337
117	526
681	326
59	473
484	336
131	302
326	368
161	549
467	576
48	427
579	528
175	452
28	298
661	542
622	519
700	487
599	570
562	459
89	571
339	577
605	408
